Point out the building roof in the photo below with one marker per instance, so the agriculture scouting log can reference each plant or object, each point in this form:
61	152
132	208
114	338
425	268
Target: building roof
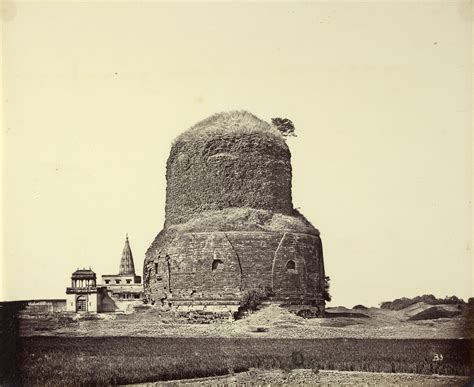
126	263
83	274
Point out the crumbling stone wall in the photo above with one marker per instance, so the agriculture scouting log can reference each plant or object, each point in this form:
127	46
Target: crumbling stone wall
248	260
227	169
230	224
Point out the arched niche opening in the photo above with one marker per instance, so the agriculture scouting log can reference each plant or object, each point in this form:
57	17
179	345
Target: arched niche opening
291	266
217	265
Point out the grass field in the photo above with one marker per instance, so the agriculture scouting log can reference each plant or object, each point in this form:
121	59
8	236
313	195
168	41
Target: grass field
117	360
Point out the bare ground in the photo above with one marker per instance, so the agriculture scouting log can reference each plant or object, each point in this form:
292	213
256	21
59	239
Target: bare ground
325	377
271	322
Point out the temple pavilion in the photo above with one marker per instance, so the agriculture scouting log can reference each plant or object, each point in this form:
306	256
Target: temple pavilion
84	295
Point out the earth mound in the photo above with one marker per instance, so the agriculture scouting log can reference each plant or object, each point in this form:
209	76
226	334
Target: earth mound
433	313
404	302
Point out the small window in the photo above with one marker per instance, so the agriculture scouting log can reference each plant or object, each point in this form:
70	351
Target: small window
107	281
129	281
117	281
217	265
136	295
156	267
291	265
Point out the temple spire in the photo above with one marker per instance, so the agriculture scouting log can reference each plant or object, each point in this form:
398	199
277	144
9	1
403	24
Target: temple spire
126	263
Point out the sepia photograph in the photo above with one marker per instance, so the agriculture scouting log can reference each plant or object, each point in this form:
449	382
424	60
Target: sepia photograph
236	193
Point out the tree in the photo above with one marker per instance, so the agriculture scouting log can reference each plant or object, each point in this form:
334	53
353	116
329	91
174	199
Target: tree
285	126
327	297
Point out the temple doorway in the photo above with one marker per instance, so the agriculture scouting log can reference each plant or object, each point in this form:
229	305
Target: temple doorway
81	304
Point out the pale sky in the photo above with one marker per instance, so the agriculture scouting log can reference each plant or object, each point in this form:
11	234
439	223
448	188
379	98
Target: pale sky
379	92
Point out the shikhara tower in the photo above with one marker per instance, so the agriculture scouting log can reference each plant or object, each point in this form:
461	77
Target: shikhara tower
125	285
127	266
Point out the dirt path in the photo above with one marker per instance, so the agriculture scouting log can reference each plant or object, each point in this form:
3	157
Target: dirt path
305	377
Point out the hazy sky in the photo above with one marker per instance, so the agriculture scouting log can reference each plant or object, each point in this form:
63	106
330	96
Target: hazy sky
379	92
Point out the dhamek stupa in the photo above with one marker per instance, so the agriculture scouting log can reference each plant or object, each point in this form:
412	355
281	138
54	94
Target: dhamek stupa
230	224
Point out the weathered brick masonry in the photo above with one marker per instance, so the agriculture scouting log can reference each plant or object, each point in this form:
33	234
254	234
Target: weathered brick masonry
220	265
232	170
230	224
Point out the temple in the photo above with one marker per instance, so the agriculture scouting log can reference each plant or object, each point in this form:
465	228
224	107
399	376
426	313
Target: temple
83	295
125	285
118	292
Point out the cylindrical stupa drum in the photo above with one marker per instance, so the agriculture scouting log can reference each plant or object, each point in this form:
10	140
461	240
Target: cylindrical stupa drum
230	225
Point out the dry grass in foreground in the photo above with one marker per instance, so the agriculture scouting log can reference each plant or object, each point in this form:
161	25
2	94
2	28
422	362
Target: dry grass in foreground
90	361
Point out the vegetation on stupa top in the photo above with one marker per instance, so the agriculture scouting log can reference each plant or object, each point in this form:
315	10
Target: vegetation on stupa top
284	126
246	219
235	219
233	123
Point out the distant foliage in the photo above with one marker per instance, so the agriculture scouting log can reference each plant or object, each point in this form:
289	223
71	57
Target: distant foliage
285	126
452	300
404	302
327	297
